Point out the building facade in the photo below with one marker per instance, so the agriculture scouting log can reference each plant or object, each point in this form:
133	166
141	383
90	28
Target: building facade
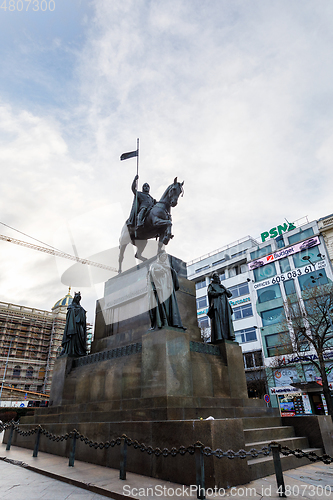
30	340
230	262
265	275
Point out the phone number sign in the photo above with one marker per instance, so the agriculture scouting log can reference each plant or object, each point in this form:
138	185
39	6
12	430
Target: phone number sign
291	275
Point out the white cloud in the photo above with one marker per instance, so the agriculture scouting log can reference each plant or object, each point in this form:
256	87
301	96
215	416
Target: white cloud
233	98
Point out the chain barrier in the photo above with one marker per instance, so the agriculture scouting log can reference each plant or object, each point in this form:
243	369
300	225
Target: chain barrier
198	449
311	455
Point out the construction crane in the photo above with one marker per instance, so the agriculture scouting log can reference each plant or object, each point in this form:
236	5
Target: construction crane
57	253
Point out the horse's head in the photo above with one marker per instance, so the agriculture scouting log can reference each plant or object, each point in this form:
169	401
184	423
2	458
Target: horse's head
174	191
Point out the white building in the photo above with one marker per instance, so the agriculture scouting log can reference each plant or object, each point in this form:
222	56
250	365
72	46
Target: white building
263	274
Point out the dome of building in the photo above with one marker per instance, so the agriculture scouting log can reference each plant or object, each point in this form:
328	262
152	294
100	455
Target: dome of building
65	301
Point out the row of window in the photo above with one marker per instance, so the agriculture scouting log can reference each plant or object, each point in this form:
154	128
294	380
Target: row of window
232	271
237	291
29	372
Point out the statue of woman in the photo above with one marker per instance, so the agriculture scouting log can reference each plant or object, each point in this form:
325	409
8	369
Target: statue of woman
220	311
74	338
162	286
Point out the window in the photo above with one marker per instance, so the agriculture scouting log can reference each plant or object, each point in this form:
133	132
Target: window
269	293
289	287
30	372
302	342
315	279
203	322
39	388
27	387
246	335
201	269
234	271
200	284
239	290
302	235
41	373
237	254
280	241
248	360
242	312
222	276
17	371
253	359
261	252
313	253
219	261
202	302
284	265
273	316
278	343
264	272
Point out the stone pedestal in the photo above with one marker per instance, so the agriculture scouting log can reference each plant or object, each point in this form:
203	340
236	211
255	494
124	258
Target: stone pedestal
61	369
153	386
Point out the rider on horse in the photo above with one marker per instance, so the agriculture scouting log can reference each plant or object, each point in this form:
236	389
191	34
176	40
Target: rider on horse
141	205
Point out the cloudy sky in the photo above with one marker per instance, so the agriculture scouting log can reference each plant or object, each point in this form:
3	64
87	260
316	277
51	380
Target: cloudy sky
233	97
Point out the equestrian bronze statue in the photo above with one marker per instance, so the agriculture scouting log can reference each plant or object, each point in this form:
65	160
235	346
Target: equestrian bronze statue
149	219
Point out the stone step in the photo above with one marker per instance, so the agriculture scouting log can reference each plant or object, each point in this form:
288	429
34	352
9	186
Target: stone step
268	433
266	421
292	442
264	466
139	414
159	402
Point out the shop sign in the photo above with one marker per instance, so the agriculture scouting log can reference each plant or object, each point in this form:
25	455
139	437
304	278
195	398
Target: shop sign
240	301
291	275
202	311
277	230
309	357
294	404
288	389
285	252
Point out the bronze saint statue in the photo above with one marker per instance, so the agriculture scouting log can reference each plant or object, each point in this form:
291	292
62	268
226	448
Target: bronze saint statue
75	333
141	204
220	311
162	286
153	220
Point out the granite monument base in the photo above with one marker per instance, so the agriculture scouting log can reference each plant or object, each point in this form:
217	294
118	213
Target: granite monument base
154	386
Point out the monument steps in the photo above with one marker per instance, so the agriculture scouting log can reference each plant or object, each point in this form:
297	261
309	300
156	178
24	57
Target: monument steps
260	432
98	413
262	467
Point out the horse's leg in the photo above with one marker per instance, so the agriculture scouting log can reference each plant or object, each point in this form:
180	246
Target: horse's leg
140	245
124	240
158	222
121	256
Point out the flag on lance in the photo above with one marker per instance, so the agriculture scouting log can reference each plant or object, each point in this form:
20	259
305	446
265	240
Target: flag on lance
131	154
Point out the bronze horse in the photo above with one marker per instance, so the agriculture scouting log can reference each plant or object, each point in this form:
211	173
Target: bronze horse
157	224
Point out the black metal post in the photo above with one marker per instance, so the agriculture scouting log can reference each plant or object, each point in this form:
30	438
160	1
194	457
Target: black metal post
123	458
9	443
35	453
200	472
72	452
275	447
